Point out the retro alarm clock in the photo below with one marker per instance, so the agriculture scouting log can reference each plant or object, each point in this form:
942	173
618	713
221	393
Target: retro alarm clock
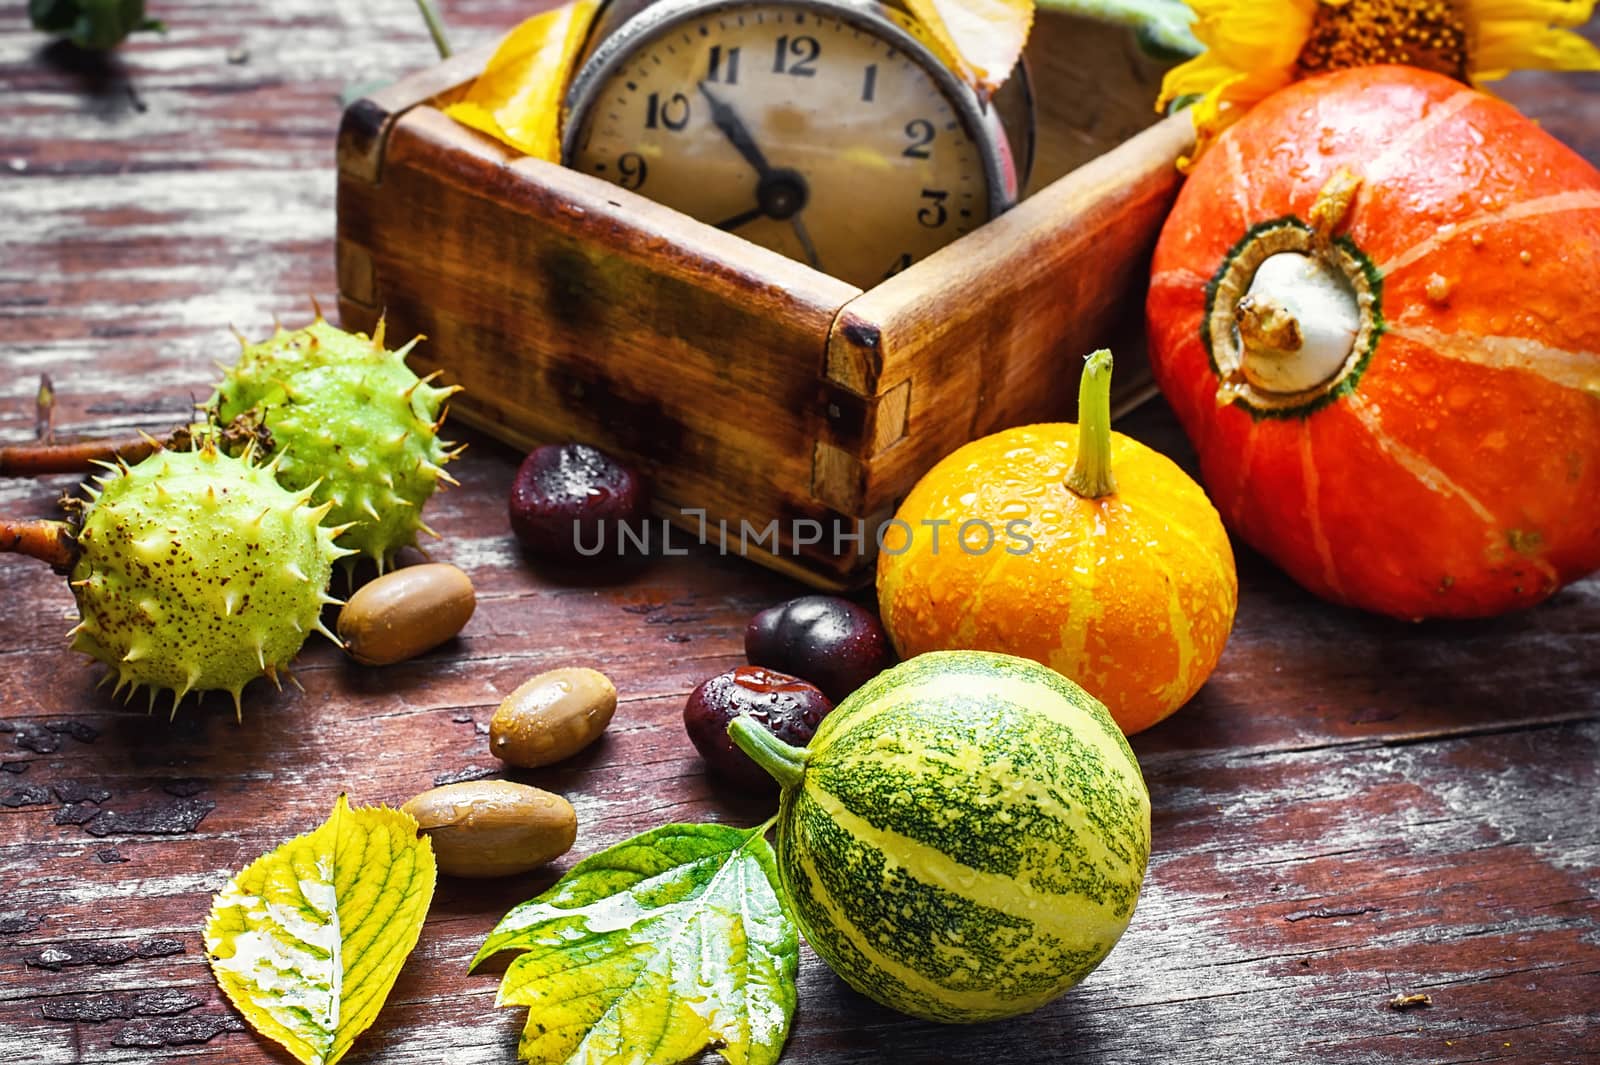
827	130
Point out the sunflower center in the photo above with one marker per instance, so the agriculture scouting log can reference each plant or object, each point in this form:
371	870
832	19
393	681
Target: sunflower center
1355	33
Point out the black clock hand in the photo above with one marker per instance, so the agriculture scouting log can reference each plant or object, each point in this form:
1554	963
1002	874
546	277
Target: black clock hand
782	193
742	218
728	121
805	242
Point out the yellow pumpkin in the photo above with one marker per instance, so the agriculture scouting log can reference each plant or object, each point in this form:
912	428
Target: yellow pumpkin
1025	542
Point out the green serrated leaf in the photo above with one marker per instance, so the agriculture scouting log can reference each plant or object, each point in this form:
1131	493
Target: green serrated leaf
652	951
307	940
1162	26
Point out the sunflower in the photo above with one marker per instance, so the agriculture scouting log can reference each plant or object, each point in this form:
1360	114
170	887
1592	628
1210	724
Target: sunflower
1255	47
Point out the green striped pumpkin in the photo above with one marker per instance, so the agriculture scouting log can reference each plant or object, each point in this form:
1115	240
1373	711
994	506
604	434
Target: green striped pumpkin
965	837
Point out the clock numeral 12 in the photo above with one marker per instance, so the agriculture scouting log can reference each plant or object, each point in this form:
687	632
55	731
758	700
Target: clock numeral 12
674	114
716	70
933	213
802	50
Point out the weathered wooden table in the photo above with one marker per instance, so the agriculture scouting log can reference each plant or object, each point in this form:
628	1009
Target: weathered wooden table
1351	809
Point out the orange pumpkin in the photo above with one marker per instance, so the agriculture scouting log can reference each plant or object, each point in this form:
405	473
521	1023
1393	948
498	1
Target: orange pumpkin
1374	310
1072	545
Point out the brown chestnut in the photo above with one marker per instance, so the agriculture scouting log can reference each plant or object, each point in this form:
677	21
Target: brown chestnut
788	706
831	642
570	501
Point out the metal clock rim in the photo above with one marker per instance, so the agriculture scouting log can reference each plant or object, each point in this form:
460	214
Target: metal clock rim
663	15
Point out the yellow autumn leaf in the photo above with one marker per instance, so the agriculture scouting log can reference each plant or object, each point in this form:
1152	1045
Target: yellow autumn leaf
307	940
983	37
517	98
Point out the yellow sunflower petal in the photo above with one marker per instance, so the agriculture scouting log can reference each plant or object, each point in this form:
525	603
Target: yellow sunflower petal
1199	76
1213	114
1256	39
1543	12
1220	83
1501	49
1253	33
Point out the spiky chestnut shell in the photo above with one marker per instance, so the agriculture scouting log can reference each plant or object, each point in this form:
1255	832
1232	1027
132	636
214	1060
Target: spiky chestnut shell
199	571
350	419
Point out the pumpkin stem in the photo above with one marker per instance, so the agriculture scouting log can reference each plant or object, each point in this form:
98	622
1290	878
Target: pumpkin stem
786	764
1332	207
1297	323
1091	473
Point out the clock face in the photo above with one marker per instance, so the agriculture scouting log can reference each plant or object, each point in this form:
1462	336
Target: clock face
814	133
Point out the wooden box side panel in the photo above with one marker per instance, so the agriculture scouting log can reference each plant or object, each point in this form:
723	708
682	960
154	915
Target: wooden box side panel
571	309
1093	88
368	121
986	333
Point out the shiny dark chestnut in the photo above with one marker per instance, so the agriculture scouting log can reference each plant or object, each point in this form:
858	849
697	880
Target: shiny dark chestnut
788	706
831	642
570	501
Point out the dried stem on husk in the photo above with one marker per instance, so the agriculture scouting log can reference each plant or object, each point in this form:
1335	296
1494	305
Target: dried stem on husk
47	541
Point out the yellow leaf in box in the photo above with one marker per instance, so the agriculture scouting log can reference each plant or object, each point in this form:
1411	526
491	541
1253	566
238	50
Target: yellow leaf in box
307	940
985	37
517	98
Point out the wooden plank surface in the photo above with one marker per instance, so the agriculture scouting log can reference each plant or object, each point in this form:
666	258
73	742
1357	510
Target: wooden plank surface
1352	808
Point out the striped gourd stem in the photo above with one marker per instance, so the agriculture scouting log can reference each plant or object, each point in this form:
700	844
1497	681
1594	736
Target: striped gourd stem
787	764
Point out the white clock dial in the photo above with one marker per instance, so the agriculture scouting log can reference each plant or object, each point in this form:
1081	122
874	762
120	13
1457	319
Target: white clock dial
807	131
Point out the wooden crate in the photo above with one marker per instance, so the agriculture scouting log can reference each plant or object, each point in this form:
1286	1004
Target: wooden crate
749	387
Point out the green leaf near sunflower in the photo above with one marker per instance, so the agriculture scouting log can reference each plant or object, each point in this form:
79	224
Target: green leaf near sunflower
92	24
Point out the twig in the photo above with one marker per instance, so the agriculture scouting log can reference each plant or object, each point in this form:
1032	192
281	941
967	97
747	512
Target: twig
47	541
1410	1002
37	460
44	424
435	28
